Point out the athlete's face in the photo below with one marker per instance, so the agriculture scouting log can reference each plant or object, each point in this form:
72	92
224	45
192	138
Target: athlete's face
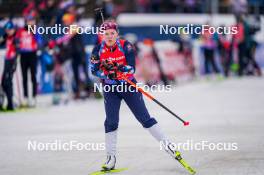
110	37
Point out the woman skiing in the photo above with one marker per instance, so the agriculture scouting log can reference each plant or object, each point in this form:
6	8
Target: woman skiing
110	60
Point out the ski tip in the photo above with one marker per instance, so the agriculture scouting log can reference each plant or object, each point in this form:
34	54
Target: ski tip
186	123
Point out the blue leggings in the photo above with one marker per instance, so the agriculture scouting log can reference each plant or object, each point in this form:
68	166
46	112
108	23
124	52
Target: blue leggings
135	102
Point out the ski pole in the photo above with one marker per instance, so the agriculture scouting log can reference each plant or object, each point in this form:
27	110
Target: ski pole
100	10
155	100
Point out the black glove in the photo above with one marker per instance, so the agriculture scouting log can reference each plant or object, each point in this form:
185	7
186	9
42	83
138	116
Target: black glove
108	65
112	75
111	69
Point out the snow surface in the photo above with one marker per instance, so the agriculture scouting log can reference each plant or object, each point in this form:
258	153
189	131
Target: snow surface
219	111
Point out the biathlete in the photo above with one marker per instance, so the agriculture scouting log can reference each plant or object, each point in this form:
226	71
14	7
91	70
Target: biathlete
110	60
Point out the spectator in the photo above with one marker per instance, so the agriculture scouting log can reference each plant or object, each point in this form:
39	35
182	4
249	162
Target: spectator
239	42
9	40
209	46
225	51
28	47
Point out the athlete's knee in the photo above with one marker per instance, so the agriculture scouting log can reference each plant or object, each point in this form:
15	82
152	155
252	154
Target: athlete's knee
110	126
149	123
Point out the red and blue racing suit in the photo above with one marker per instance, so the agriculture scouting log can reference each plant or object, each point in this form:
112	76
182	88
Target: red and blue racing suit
123	54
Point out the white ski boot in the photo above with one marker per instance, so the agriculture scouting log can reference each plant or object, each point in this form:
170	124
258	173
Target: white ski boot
109	164
171	150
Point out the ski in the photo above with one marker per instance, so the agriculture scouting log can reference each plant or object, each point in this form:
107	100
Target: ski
184	163
109	171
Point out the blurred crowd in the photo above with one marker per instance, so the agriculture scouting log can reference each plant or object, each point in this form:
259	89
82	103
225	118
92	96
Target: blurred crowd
115	7
236	51
63	57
